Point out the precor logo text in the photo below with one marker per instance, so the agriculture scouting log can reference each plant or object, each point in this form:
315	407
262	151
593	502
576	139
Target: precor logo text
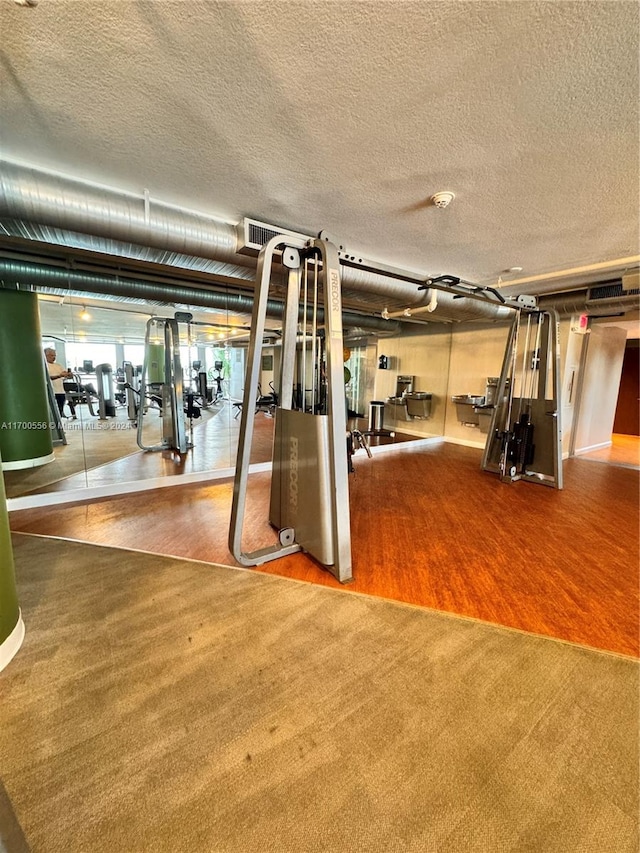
293	476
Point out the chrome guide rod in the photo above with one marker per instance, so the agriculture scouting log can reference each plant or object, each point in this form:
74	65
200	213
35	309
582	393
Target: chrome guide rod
178	436
554	349
143	384
291	260
314	340
523	371
514	365
173	427
304	334
537	362
501	417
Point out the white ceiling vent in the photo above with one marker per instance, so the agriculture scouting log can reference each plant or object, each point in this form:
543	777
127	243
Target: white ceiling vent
252	235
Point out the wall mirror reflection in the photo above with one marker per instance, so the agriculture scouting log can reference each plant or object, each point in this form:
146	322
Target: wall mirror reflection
108	413
114	363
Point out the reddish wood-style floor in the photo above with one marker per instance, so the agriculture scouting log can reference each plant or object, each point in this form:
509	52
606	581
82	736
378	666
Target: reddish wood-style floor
429	528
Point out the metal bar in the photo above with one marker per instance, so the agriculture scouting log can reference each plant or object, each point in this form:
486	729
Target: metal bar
258	317
523	372
143	385
537	361
290	332
58	436
173	426
336	410
304	334
178	438
554	334
543	356
497	433
314	339
514	363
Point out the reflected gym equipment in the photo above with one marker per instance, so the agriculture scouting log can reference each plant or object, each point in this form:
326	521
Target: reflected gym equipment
106	399
161	381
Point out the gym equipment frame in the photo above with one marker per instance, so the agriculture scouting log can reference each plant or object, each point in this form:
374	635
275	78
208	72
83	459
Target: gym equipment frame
525	439
309	443
174	435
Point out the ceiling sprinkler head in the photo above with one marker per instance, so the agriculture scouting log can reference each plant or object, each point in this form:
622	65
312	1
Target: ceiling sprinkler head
29	3
442	199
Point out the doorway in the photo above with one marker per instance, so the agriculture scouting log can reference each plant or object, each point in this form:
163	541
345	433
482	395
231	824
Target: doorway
627	416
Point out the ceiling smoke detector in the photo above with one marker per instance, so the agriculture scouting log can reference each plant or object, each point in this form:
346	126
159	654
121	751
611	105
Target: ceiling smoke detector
442	199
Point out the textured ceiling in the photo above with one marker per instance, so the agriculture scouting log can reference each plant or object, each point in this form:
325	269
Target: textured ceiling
347	116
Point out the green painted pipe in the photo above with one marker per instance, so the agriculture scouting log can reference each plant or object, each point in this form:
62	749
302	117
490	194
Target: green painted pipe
11	624
25	434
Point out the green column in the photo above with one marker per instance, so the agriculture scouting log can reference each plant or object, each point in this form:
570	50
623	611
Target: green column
11	624
25	436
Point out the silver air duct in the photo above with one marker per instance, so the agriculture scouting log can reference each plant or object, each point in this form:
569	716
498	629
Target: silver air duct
62	281
41	197
581	303
40	205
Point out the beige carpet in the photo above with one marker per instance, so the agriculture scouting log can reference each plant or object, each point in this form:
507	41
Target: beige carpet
165	705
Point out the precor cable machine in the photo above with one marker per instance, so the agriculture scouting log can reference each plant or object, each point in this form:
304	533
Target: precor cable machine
309	503
525	439
162	376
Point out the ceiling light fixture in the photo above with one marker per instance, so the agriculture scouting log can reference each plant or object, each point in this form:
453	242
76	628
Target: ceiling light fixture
84	314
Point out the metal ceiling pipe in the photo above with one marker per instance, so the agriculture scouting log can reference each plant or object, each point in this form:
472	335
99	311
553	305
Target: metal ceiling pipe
37	196
458	309
33	198
572	279
61	280
579	303
449	307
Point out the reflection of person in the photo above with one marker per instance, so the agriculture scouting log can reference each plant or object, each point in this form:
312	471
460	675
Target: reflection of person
58	374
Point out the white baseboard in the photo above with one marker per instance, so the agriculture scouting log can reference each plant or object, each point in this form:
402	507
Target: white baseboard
9	648
600	446
465	442
20	464
115	489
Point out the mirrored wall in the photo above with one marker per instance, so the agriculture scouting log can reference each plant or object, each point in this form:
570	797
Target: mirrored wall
107	422
104	344
105	416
